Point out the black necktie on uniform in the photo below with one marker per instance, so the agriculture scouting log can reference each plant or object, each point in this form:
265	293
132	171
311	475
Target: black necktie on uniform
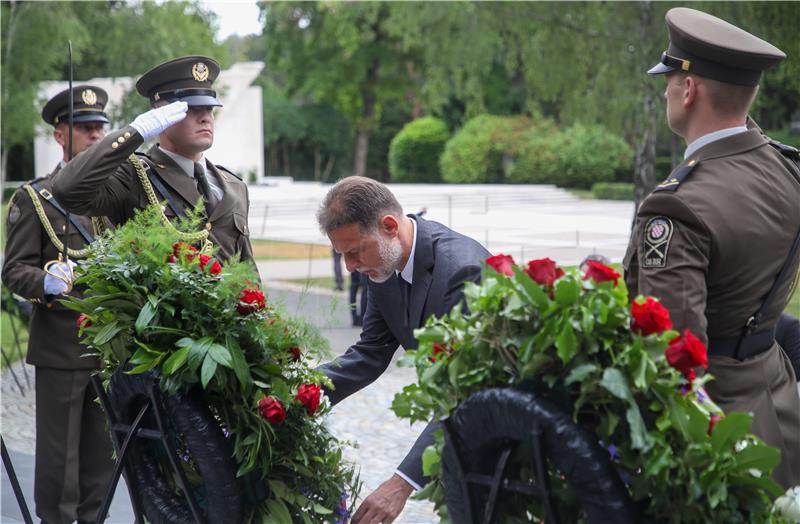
204	188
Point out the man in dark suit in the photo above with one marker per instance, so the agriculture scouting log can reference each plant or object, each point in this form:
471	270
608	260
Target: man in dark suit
416	269
111	179
73	449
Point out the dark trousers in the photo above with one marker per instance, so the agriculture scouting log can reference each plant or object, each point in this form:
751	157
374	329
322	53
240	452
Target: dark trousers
358	282
73	448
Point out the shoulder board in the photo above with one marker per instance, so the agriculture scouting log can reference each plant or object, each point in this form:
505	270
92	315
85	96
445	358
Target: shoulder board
676	178
791	152
223	168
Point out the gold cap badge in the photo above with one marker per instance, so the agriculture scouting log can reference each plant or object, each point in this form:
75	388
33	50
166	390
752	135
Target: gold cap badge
200	72
89	97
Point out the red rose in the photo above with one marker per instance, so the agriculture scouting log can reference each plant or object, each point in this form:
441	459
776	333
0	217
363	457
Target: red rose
713	422
650	317
294	351
272	410
544	271
214	268
179	248
308	395
502	264
685	352
439	349
600	272
249	301
83	321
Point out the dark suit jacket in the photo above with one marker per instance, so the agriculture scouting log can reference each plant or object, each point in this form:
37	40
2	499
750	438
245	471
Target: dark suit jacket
53	341
102	182
787	333
443	261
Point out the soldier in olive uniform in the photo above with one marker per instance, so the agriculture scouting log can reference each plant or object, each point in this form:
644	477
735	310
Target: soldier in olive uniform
73	449
111	179
711	240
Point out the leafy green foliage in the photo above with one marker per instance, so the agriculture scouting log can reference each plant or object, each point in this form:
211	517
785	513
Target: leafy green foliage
414	152
482	150
613	190
572	343
151	305
576	157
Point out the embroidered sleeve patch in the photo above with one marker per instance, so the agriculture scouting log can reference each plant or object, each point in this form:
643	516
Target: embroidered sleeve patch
657	234
13	213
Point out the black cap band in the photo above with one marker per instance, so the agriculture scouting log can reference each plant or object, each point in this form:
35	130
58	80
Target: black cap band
180	94
82	115
677	58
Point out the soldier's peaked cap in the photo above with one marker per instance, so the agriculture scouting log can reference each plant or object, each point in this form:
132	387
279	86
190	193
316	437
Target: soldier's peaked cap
88	104
712	48
188	79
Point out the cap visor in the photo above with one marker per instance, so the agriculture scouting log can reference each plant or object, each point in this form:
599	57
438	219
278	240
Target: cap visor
87	118
659	69
199	100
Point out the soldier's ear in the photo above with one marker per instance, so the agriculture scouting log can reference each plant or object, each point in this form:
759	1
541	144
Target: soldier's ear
59	136
690	85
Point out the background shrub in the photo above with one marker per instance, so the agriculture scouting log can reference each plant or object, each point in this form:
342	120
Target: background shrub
613	190
414	152
785	136
483	150
576	157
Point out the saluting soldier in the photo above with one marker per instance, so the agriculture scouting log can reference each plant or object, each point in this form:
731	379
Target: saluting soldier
112	179
714	241
73	449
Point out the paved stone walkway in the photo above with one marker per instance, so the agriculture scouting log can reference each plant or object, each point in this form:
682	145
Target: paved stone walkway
365	417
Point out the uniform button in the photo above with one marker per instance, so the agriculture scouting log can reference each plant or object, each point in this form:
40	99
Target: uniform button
120	140
127	135
208	226
114	145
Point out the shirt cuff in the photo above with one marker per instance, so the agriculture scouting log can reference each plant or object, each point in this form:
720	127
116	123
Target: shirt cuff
405	477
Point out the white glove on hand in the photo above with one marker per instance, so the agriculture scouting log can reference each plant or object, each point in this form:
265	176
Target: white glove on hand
156	120
53	285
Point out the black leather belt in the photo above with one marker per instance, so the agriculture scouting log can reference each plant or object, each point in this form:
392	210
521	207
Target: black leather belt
751	346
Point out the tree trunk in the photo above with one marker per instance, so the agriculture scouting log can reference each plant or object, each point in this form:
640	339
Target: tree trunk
286	166
644	168
317	163
367	111
326	174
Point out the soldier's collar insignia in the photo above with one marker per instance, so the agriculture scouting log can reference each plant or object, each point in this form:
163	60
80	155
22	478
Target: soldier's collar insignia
676	177
89	97
200	72
657	234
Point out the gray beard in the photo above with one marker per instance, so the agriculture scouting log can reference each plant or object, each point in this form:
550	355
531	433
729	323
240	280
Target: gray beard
391	253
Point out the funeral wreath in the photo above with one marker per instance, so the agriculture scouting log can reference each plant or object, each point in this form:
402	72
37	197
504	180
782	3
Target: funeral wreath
155	305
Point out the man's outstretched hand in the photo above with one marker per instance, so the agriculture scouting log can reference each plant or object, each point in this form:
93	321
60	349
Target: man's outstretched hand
385	503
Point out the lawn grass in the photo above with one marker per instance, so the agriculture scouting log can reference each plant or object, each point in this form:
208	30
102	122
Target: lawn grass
318	282
276	250
7	339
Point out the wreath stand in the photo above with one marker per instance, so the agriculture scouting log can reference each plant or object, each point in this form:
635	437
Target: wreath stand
12	478
123	434
487	427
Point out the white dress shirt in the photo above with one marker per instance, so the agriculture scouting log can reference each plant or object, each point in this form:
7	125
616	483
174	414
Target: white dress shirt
711	137
188	167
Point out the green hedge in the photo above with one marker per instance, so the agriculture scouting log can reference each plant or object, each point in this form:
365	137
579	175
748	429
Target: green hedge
414	152
613	190
482	150
576	157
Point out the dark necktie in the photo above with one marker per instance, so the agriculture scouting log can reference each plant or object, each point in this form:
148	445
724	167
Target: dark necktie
204	188
405	293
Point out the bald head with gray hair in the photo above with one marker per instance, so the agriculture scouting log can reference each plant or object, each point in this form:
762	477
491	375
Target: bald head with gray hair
357	200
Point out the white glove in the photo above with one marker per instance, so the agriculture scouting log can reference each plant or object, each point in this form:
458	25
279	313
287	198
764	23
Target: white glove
156	120
58	279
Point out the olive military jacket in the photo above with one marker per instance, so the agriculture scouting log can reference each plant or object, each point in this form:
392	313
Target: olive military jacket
710	241
53	333
101	181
